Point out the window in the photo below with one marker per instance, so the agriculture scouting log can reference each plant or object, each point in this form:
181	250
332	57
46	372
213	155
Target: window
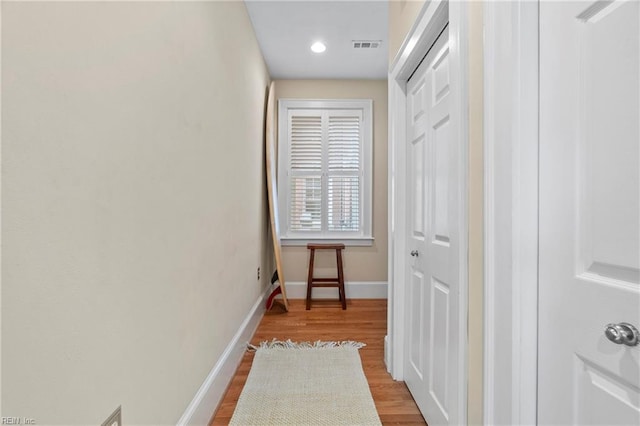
324	171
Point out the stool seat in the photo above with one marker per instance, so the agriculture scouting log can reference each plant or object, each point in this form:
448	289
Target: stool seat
326	282
326	246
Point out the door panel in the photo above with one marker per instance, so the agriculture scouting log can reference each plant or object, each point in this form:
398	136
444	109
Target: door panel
589	211
441	181
417	154
432	175
439	346
441	211
417	180
608	121
614	397
416	330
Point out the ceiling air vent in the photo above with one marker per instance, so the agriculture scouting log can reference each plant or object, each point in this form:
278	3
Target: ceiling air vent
366	44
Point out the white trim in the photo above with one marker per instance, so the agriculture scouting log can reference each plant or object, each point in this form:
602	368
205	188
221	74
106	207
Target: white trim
431	20
387	360
511	212
489	369
397	228
364	107
362	242
404	53
1	233
205	402
424	32
353	289
459	49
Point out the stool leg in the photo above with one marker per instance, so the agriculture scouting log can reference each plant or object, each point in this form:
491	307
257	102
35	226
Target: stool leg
343	296
338	256
310	278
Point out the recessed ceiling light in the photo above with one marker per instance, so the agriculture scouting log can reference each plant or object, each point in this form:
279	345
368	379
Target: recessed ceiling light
318	47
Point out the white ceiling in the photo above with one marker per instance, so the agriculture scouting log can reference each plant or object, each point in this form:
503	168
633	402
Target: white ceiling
286	30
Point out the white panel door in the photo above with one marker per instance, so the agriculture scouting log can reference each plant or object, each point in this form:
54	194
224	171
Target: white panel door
589	256
431	305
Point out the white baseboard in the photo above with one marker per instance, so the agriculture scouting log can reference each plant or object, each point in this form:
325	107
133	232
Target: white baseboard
353	289
210	394
387	361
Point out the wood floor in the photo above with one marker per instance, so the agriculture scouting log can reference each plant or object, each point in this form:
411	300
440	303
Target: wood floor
363	321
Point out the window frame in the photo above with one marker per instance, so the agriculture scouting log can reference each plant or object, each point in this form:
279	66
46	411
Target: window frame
362	237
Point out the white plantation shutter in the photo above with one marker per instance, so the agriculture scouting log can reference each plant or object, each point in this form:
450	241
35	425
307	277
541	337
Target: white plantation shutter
305	210
305	173
306	143
344	169
324	174
344	203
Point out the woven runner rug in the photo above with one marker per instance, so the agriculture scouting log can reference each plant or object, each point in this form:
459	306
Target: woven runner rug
319	383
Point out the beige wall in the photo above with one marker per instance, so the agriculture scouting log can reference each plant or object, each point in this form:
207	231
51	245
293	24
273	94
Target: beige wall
360	263
476	211
129	258
402	15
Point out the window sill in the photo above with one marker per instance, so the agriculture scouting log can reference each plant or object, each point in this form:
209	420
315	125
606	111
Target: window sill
353	242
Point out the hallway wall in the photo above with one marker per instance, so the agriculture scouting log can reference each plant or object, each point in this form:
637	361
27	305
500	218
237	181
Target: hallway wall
476	215
133	203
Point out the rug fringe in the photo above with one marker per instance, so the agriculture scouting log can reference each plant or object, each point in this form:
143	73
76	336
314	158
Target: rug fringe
318	344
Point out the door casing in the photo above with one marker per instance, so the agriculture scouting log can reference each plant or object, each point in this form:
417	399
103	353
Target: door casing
511	212
430	22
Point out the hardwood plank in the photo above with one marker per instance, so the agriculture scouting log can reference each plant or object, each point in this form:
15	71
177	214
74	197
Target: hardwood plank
363	321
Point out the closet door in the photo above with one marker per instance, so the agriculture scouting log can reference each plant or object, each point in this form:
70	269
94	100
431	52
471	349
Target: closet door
432	258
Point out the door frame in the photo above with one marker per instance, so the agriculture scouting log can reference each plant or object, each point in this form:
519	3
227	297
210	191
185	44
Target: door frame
511	165
432	18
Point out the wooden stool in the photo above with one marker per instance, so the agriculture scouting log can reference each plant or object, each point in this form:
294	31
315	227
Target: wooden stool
326	282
